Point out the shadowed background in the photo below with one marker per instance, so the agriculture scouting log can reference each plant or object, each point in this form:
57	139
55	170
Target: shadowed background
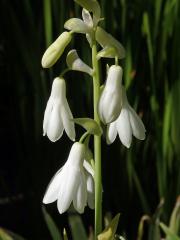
135	179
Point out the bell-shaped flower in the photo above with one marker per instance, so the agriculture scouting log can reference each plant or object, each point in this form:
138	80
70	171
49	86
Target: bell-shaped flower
72	183
127	124
109	105
58	116
55	50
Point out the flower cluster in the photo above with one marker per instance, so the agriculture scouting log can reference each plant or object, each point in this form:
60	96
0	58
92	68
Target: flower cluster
74	182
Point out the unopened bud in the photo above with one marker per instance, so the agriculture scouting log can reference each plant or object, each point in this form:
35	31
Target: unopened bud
55	50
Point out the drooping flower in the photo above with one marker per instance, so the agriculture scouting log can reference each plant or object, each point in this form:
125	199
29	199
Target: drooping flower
72	183
127	124
109	105
58	116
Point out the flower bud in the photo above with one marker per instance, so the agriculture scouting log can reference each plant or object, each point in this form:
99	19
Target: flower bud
77	25
55	50
106	40
75	63
91	6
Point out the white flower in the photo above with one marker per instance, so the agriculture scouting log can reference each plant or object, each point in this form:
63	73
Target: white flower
127	124
58	116
72	183
109	105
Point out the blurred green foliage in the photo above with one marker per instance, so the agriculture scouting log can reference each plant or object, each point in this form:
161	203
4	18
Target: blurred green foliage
134	180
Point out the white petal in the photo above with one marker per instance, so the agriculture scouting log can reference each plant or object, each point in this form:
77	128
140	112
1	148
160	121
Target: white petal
87	18
111	132
52	191
71	180
88	167
137	125
124	128
66	118
76	155
80	198
75	63
90	191
58	91
47	114
109	105
55	125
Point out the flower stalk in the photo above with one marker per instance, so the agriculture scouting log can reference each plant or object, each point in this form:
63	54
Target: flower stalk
97	145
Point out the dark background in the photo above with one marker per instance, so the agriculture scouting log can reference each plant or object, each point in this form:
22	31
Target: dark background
134	180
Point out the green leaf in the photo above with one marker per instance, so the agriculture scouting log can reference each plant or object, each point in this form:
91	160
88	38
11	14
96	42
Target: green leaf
175	218
89	124
8	235
168	232
109	231
65	235
51	225
4	235
77	228
141	226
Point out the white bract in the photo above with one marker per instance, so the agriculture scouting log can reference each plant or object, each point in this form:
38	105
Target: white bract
58	116
72	183
127	124
109	105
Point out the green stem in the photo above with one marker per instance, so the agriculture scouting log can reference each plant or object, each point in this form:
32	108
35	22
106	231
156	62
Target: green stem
83	137
97	146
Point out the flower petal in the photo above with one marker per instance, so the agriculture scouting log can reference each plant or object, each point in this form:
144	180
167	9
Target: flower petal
52	191
47	114
80	198
66	118
90	191
88	167
124	128
109	105
55	125
111	132
87	18
137	125
68	189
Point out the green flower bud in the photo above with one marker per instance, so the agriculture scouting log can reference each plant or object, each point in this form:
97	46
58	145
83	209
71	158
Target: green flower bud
75	63
109	43
55	50
77	25
91	6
